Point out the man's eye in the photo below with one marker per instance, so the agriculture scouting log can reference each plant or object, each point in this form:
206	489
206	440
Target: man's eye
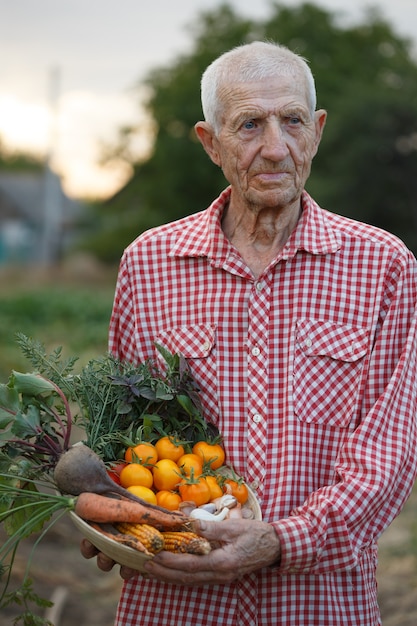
294	121
248	125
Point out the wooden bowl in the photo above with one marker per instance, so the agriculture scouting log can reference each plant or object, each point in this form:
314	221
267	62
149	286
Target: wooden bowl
253	504
129	556
116	551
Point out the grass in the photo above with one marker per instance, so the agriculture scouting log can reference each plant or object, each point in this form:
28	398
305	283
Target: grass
56	312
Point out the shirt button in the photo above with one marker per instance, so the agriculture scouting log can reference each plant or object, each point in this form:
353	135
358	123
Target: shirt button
256	351
308	343
257	418
254	485
206	346
259	286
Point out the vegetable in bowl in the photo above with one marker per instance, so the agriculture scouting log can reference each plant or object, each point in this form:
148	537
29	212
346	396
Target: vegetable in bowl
113	403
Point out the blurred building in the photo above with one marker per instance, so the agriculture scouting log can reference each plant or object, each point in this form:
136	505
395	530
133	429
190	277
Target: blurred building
38	221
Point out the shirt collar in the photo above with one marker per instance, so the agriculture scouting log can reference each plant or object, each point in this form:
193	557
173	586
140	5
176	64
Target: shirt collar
203	237
314	233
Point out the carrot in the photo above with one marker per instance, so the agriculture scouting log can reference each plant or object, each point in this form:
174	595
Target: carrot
93	507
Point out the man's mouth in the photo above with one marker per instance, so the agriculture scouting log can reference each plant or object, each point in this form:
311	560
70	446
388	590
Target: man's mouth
271	176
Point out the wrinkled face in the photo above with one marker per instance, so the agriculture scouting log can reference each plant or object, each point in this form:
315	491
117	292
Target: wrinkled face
267	140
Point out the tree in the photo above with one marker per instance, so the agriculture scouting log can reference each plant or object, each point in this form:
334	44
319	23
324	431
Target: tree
365	77
17	161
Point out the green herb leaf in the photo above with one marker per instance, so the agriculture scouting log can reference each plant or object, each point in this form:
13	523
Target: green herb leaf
30	384
27	424
9	401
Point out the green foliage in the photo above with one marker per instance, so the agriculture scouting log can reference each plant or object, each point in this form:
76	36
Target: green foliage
24	510
111	400
377	166
122	403
24	597
36	418
77	317
51	365
366	78
19	161
17	508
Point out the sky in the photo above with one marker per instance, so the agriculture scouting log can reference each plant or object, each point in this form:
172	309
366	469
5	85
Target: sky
70	71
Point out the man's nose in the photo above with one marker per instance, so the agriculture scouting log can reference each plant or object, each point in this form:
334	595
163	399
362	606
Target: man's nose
274	145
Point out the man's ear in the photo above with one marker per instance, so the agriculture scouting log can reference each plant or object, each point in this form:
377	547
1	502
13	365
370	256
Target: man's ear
320	118
209	141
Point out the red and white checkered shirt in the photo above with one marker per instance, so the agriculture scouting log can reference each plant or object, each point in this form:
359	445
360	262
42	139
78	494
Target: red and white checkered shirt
310	374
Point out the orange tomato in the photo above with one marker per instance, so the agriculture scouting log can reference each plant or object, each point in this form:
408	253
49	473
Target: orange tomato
215	490
195	490
166	475
237	488
136	474
143	452
188	462
144	493
168	499
211	453
169	448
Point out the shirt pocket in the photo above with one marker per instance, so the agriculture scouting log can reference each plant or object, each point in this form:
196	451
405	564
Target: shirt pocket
328	361
196	343
192	342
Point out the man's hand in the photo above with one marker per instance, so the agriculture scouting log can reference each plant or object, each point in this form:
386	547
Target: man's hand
244	546
104	562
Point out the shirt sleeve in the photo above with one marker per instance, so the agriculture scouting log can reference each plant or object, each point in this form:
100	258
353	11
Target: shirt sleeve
122	322
377	466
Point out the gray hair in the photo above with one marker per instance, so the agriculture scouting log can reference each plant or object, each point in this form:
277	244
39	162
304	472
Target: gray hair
250	62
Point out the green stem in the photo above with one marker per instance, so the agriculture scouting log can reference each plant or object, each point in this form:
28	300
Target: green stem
23	531
39	539
9	575
66	503
66	430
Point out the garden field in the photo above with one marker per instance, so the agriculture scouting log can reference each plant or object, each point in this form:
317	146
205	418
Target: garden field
59	308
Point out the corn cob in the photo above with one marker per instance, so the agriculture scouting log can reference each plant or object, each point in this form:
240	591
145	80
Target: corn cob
110	531
185	541
149	536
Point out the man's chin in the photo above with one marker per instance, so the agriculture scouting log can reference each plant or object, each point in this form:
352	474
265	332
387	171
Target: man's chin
271	198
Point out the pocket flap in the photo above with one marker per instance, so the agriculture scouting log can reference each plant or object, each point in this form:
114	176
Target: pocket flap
192	342
337	341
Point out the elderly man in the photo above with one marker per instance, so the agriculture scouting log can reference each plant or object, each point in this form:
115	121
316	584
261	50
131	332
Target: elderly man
299	326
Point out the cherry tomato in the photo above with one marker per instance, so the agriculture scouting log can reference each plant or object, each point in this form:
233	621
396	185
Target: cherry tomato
215	489
144	493
143	452
168	499
195	490
136	474
237	488
188	462
211	453
166	475
169	448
